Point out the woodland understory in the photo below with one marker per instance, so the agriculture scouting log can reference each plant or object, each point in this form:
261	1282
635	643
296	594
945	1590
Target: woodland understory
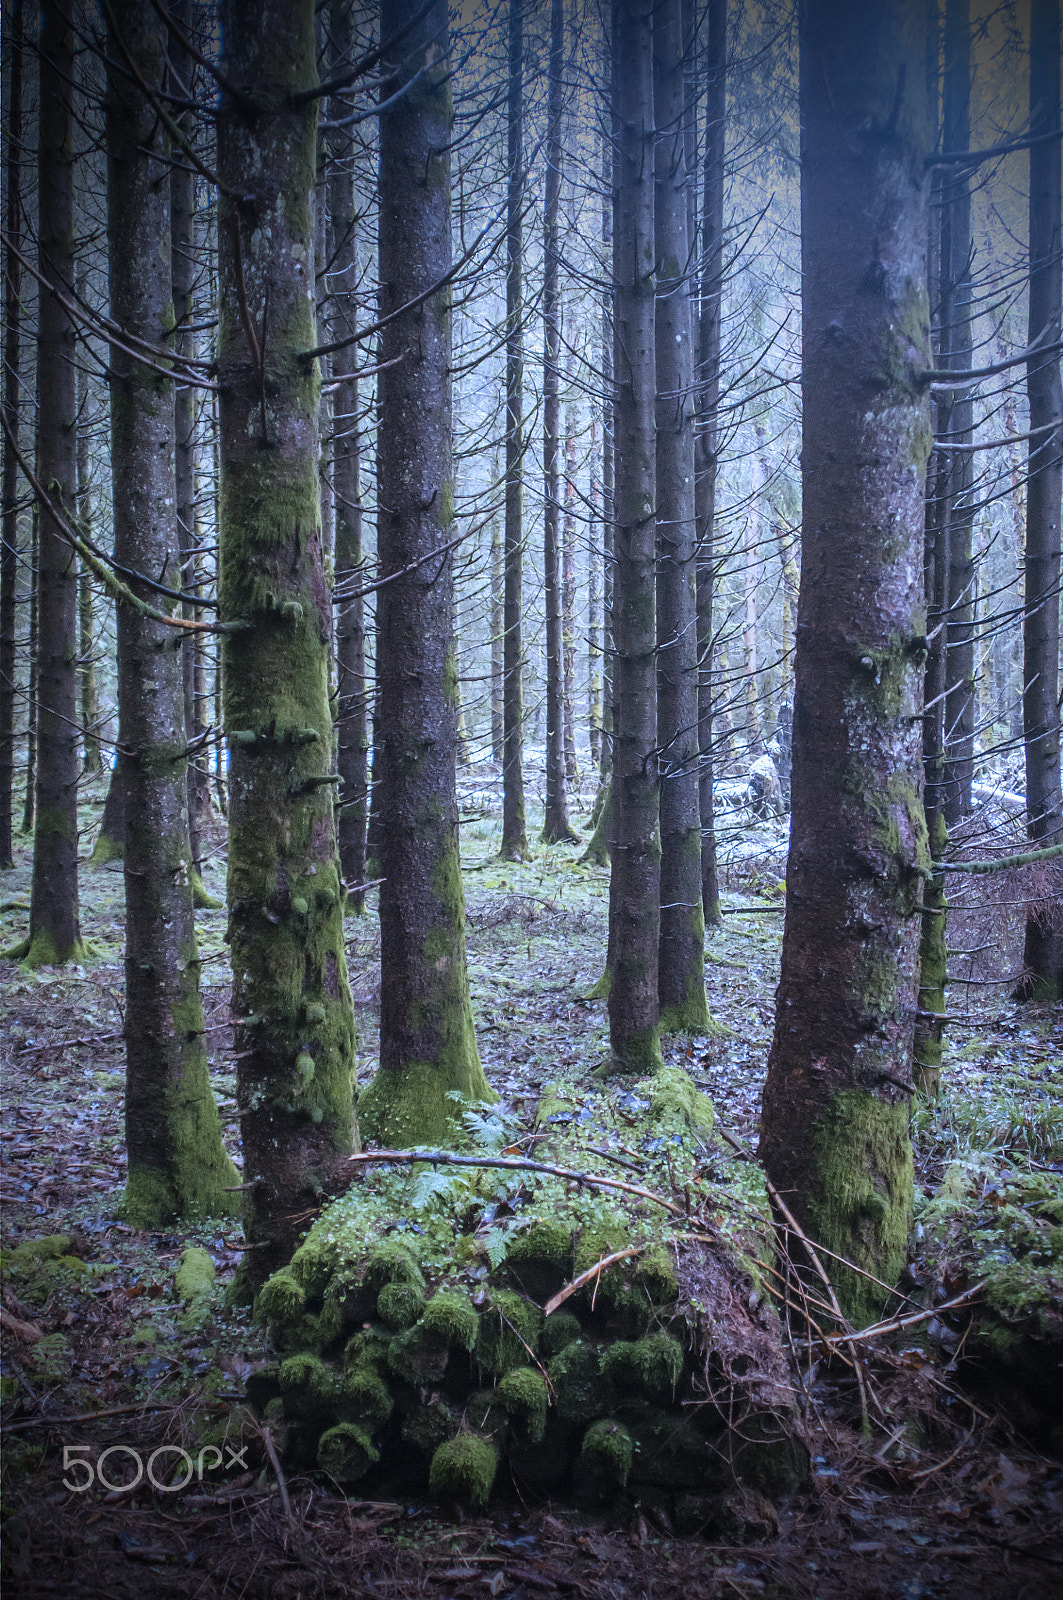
933	1463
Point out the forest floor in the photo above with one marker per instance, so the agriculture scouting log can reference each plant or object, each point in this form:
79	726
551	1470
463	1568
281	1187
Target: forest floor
969	1504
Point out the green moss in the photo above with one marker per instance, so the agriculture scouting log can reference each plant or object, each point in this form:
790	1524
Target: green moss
307	1373
675	1102
366	1393
400	1305
522	1393
428	1426
559	1330
539	1257
509	1331
464	1467
391	1262
106	849
280	1299
452	1315
367	1348
861	1198
641	1054
43	951
607	1452
34	1250
419	1355
346	1452
194	1283
653	1364
655	1272
576	1381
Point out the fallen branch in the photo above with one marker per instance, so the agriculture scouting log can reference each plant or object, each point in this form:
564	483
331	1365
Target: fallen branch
513	1164
585	1277
894	1326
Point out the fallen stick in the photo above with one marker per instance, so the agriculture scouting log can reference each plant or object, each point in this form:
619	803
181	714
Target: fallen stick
513	1164
585	1277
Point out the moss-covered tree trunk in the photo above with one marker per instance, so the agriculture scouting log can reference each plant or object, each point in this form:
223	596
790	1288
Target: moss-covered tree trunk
55	934
834	1131
295	1028
555	824
352	707
9	488
1043	954
634	885
681	961
708	388
514	834
427	1043
177	1163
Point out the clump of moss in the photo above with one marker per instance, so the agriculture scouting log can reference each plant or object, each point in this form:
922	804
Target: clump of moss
653	1364
464	1467
367	1348
655	1272
391	1262
280	1299
366	1393
428	1426
400	1305
419	1355
307	1373
675	1102
194	1281
576	1379
346	1452
607	1452
539	1257
509	1332
453	1317
522	1393
561	1329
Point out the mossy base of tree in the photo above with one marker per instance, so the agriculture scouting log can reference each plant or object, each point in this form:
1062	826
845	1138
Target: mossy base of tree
202	899
641	1054
399	1110
156	1199
597	851
106	851
39	950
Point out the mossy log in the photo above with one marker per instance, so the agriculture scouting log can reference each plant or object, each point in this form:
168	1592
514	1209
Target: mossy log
414	1351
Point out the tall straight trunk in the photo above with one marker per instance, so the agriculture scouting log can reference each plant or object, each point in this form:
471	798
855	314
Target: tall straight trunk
568	591
31	710
497	583
750	575
834	1127
9	489
90	706
956	420
608	454
556	825
427	1044
706	457
681	958
352	708
1043	955
514	834
55	935
594	597
634	886
177	1163
294	1034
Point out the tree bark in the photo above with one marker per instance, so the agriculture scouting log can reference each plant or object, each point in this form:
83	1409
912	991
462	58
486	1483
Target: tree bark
295	1030
634	887
9	491
681	956
177	1163
427	1044
1043	955
514	827
55	934
568	589
90	705
706	461
352	705
556	826
834	1129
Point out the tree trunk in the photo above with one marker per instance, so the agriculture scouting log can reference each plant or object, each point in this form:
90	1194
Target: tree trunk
9	491
634	887
55	935
427	1044
295	1030
31	709
514	834
352	707
681	958
568	589
90	705
834	1130
177	1163
1043	955
594	599
956	420
497	583
556	824
706	461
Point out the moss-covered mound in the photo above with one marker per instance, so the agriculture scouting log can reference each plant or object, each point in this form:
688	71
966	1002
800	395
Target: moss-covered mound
414	1350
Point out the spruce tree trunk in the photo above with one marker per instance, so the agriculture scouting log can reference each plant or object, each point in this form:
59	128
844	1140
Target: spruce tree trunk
9	490
295	1034
955	422
177	1163
427	1044
497	584
556	824
55	935
514	834
594	598
352	712
31	710
834	1129
634	886
568	591
1043	955
708	381
90	706
681	961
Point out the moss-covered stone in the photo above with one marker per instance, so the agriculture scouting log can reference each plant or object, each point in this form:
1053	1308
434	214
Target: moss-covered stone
194	1283
606	1453
653	1365
464	1467
281	1299
509	1331
655	1272
391	1262
539	1258
400	1305
579	1390
427	1427
675	1101
346	1452
522	1394
452	1316
419	1355
367	1395
559	1330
